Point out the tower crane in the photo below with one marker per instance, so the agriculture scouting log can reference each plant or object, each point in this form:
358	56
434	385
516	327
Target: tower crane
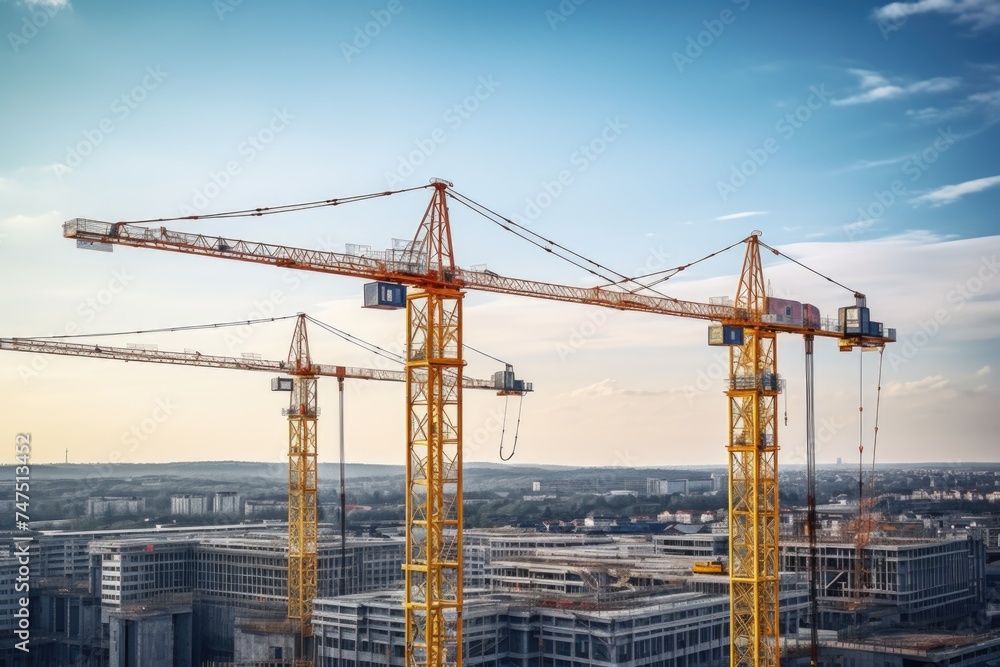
302	413
433	565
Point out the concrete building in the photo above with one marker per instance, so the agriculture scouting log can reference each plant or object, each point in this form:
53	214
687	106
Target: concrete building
186	593
912	649
678	628
482	546
704	545
66	628
265	509
153	634
115	505
922	582
186	505
8	595
226	502
663	487
140	569
188	596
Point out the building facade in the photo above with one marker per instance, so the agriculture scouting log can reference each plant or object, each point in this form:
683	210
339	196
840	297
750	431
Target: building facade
115	505
187	504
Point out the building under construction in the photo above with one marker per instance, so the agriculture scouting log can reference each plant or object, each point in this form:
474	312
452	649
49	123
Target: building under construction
907	582
666	627
183	596
217	595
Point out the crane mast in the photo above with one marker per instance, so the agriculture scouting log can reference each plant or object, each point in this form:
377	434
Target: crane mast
433	567
753	478
303	508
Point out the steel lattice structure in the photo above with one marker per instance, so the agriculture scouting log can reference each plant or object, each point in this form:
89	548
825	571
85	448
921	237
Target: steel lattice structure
434	406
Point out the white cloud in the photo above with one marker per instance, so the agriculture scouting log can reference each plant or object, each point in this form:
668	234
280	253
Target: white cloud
987	103
870	79
871	164
984	371
609	387
991	98
977	13
873	95
51	4
952	193
737	216
876	87
925	385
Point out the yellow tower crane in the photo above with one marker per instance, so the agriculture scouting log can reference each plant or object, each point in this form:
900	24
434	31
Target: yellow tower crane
302	414
433	596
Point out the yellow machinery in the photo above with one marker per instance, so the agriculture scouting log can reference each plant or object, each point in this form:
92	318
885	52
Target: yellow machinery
433	565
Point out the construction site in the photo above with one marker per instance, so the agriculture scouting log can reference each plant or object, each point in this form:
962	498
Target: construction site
439	594
218	596
521	334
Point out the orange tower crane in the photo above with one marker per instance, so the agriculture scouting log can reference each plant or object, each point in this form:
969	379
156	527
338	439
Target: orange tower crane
433	596
302	416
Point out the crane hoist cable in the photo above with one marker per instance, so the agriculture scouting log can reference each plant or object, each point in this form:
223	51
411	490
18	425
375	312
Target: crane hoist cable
371	347
784	390
861	421
878	400
284	208
503	423
517	427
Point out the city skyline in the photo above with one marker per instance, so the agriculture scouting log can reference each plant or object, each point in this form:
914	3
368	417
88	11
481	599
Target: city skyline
854	137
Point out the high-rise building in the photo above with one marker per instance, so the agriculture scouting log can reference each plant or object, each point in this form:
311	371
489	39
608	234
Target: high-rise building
226	502
187	504
115	505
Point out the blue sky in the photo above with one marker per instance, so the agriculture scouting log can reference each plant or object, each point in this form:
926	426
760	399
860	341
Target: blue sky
858	137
